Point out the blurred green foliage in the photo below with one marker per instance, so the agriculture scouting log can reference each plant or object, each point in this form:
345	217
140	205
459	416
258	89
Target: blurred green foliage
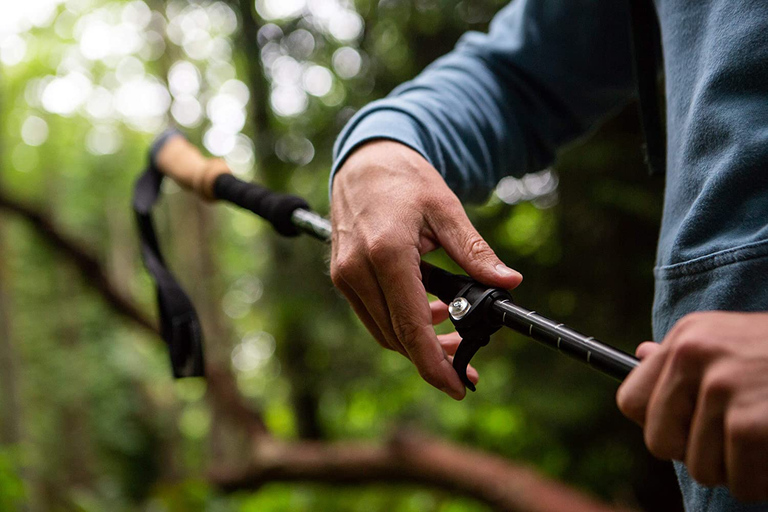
100	425
11	485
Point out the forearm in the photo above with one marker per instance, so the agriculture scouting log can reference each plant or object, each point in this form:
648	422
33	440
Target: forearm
502	103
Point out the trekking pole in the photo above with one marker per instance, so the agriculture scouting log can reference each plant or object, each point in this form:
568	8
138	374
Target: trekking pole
476	310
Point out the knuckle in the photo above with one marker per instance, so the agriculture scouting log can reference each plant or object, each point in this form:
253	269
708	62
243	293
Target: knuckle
336	278
437	204
689	349
691	320
381	251
346	269
340	267
407	333
684	326
717	385
478	249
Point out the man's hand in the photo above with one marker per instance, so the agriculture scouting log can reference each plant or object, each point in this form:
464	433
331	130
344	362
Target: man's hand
702	398
389	207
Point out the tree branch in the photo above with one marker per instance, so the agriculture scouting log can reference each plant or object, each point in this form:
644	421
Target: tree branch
87	264
410	459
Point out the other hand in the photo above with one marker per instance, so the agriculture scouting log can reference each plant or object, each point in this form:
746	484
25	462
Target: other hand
701	397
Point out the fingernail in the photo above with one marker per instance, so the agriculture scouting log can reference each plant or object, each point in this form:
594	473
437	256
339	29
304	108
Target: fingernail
505	271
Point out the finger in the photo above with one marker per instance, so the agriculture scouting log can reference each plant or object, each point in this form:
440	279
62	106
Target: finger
670	411
372	300
745	458
449	342
373	328
466	247
646	348
399	276
439	311
365	317
635	392
705	454
472	374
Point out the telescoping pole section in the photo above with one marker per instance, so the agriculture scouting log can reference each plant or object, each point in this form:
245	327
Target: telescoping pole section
604	358
176	158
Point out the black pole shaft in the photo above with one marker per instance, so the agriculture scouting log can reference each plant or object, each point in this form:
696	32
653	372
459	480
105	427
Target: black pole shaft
604	358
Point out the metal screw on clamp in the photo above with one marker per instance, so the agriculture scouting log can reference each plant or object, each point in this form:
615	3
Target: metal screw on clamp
459	308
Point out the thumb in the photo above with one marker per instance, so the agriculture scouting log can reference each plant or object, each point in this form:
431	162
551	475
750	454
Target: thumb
465	246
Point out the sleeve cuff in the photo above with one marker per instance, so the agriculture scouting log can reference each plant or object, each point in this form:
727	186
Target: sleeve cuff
378	122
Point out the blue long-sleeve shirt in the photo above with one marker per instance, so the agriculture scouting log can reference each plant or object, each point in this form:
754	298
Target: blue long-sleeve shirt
502	103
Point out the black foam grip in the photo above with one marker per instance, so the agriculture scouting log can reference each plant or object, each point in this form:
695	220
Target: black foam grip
271	206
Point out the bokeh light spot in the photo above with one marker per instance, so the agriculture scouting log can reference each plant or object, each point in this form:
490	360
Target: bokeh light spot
317	80
347	62
34	131
103	140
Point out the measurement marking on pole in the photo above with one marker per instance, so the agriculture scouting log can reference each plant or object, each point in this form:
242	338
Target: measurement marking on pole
559	326
530	328
558	342
589	355
504	318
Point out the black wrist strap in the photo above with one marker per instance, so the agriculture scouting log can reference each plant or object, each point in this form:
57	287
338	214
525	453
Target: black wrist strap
179	324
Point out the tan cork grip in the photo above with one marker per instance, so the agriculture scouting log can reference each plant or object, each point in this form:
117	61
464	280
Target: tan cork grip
183	163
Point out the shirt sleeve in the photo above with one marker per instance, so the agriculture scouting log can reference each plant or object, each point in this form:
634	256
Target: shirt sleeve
501	103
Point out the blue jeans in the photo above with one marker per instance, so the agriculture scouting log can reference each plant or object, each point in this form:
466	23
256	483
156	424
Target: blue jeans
732	280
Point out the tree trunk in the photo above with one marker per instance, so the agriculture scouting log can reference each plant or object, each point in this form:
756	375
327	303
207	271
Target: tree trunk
10	409
274	173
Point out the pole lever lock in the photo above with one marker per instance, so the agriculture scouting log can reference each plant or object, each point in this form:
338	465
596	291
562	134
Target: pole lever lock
471	314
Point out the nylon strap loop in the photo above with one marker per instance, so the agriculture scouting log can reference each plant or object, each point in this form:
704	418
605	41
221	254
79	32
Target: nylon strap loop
179	324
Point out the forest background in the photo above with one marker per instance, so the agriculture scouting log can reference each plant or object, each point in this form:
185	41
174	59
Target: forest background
301	411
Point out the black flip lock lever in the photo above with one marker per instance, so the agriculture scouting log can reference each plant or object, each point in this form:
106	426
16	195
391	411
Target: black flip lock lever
472	316
470	305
